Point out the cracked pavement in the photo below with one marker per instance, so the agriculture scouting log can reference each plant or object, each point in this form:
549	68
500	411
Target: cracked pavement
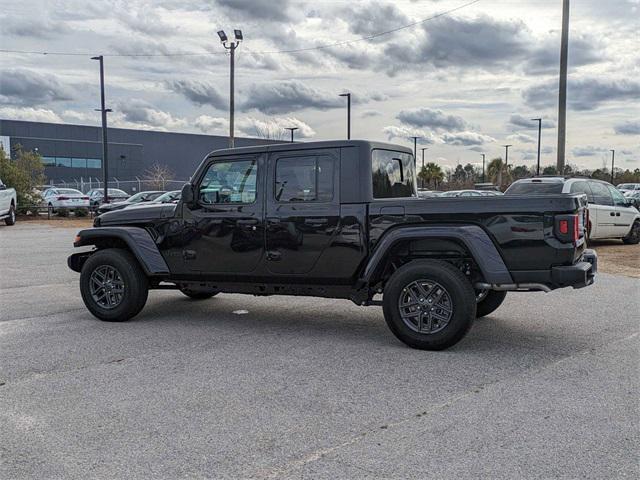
545	387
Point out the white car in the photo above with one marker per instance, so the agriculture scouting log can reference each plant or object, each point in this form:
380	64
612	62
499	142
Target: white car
629	187
65	198
611	215
8	204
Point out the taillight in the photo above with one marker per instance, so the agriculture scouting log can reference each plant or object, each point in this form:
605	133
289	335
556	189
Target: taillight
63	198
568	228
85	198
564	227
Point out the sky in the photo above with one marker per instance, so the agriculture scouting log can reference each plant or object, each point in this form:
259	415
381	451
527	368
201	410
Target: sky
467	82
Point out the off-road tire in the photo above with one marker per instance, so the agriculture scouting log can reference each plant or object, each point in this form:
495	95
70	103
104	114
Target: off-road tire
457	287
490	303
136	284
634	235
11	219
199	294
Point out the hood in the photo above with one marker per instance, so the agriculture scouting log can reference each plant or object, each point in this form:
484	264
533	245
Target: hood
137	214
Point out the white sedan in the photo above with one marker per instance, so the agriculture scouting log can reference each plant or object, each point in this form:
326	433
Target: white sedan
65	198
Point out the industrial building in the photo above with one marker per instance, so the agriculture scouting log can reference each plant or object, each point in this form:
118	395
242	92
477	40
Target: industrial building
73	153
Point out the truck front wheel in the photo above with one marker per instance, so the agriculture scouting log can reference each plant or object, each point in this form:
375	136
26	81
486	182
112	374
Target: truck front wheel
113	286
429	304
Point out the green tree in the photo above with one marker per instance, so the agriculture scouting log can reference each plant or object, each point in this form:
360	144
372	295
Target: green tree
25	174
550	170
431	174
495	170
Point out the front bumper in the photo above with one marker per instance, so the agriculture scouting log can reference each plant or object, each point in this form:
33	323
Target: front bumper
578	275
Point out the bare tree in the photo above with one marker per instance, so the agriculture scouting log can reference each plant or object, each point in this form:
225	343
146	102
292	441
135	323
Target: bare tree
157	175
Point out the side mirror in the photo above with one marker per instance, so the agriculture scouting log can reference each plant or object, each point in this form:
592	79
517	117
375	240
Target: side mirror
3	186
187	194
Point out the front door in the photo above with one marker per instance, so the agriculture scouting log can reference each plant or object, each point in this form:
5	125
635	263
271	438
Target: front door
226	233
625	214
303	209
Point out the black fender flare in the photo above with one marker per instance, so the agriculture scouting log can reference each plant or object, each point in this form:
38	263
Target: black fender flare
473	237
138	240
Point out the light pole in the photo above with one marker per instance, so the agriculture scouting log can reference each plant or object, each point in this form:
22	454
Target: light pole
539	120
482	167
415	150
506	156
562	94
348	95
104	111
231	46
291	129
613	162
423	149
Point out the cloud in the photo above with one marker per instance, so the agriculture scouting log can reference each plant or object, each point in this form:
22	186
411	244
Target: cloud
146	21
274	128
288	96
404	133
365	19
466	138
29	88
583	50
30	114
516	120
583	93
199	92
370	113
521	138
256	9
142	113
33	26
588	151
212	125
482	42
433	119
630	127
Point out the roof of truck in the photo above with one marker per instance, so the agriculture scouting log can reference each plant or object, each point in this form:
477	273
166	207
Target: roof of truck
296	146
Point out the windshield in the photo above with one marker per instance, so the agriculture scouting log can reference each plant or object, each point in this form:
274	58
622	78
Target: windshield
525	188
168	197
393	174
115	191
69	191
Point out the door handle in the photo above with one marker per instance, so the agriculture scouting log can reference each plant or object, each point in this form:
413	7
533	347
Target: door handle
617	214
613	214
273	255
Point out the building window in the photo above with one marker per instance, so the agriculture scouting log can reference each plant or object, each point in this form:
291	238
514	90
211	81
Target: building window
63	162
49	161
79	162
94	163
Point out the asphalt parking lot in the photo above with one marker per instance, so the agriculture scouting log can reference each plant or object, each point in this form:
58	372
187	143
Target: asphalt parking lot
307	388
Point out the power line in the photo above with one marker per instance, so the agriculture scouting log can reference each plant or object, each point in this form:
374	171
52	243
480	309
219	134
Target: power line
273	52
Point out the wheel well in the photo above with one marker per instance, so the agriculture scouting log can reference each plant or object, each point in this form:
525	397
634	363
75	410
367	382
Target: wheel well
448	250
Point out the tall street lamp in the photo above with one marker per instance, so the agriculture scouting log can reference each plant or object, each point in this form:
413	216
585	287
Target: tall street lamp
613	162
231	46
104	112
415	150
423	149
539	120
291	129
506	156
562	87
482	167
348	95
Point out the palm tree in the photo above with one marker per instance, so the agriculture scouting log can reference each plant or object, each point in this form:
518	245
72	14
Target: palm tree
495	170
431	172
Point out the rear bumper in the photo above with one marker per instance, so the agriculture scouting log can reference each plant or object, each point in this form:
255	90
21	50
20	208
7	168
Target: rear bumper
578	275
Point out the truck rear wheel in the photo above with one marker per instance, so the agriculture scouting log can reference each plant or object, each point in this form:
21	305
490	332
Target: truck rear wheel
429	304
113	286
489	302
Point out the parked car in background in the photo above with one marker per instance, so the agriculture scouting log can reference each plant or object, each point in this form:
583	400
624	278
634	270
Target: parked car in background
96	196
490	193
611	215
8	204
428	193
65	198
629	187
634	197
168	197
463	193
138	198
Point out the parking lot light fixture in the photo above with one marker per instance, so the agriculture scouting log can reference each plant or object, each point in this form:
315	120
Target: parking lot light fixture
104	111
539	120
291	129
348	95
231	46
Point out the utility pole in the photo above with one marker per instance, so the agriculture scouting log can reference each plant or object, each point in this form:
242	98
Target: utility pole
482	167
613	163
539	120
291	129
231	46
348	95
415	150
506	156
562	95
423	149
104	111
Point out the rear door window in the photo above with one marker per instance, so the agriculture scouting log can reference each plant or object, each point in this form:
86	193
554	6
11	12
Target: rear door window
582	187
304	179
393	174
601	194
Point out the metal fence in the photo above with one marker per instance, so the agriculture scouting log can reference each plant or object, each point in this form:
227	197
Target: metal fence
129	186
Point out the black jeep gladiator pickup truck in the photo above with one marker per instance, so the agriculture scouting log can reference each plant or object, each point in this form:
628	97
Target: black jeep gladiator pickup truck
338	219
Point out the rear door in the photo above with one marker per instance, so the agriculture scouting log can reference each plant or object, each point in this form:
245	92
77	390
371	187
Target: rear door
303	208
605	211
